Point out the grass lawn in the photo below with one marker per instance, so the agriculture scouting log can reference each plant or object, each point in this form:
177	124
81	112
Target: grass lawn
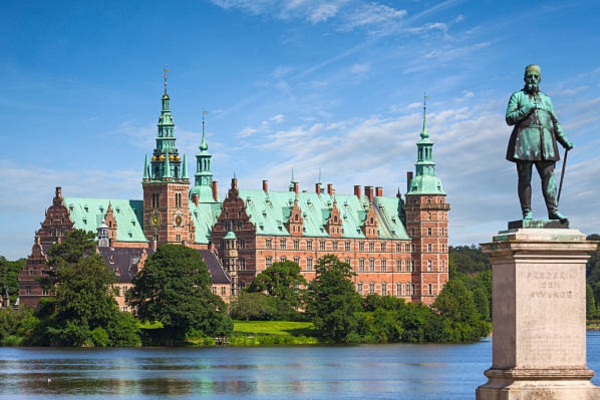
277	328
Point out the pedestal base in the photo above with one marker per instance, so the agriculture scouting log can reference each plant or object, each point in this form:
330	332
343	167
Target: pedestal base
538	298
538	384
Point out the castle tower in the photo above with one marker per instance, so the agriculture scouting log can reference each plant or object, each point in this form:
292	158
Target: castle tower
427	222
230	260
165	185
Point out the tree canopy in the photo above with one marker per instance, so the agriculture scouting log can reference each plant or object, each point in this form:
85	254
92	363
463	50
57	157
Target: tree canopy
175	289
282	283
331	300
82	309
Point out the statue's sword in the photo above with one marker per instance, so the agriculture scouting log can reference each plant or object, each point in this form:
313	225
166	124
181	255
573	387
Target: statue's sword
562	176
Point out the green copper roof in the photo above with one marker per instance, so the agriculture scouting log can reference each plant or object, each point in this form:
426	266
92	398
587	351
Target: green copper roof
88	214
230	235
425	181
204	217
270	211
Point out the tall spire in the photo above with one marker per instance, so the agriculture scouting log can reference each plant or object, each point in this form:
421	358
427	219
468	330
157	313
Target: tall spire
424	133
203	179
425	181
166	162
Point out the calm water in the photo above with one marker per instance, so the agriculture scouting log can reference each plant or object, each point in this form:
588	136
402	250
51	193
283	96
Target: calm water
310	372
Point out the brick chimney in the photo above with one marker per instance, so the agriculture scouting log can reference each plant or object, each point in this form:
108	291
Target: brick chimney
409	177
369	192
265	186
215	191
357	191
296	187
379	191
195	199
318	187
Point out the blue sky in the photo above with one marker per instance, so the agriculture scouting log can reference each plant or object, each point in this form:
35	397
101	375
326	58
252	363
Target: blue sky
307	85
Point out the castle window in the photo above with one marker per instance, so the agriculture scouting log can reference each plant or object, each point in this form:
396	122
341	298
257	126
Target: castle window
283	258
178	200
359	288
297	260
242	264
361	265
155	198
371	264
44	292
348	261
269	243
334	245
398	247
383	247
309	264
408	289
429	247
296	244
371	246
269	261
412	265
399	289
428	231
347	246
429	265
223	290
383	265
322	245
443	265
214	290
371	288
309	245
398	265
242	244
361	246
384	289
178	238
430	289
283	243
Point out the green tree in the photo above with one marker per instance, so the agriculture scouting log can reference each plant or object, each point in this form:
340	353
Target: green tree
9	277
331	300
82	302
174	288
467	259
251	306
283	283
590	303
456	304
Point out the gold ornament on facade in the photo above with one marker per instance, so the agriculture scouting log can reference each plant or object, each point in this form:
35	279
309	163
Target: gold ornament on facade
162	157
177	158
171	157
153	158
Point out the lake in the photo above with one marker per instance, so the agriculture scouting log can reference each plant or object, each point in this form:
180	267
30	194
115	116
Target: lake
399	371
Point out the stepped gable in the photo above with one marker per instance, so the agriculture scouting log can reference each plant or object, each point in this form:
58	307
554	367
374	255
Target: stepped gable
215	269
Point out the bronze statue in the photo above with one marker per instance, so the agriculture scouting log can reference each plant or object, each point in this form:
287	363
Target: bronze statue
533	141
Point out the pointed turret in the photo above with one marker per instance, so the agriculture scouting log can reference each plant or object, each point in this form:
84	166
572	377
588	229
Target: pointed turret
425	181
203	179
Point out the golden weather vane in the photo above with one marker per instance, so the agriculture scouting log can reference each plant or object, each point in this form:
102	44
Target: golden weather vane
165	76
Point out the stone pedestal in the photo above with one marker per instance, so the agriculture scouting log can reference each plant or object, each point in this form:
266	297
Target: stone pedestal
539	335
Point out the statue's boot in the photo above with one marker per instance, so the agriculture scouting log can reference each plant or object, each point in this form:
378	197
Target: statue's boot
557	215
527	215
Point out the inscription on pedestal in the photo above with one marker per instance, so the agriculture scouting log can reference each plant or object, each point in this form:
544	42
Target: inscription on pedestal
552	285
549	301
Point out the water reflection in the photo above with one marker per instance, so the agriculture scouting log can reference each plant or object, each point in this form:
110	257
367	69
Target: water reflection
311	372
